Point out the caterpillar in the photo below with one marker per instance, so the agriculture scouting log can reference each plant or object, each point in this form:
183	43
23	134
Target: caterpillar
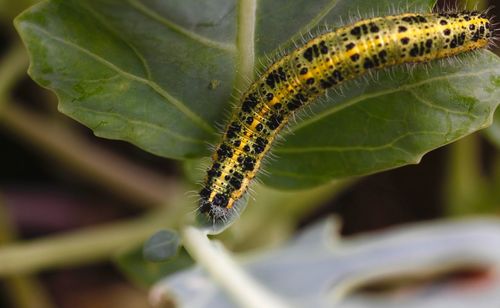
307	72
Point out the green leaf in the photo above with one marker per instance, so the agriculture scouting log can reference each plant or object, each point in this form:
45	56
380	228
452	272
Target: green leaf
145	273
279	22
391	122
493	132
137	71
161	246
159	74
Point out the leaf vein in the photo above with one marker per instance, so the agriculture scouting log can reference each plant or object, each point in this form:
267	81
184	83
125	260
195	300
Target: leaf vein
360	98
299	36
354	148
437	107
106	24
140	123
173	26
174	101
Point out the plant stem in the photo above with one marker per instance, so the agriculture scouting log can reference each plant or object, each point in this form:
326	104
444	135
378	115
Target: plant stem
27	292
245	43
119	175
83	246
463	181
23	291
274	214
65	145
12	68
224	270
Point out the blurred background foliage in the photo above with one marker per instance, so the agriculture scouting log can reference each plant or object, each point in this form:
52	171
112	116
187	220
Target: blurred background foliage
75	209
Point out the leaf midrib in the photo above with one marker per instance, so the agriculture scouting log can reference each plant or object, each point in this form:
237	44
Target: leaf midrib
339	149
245	43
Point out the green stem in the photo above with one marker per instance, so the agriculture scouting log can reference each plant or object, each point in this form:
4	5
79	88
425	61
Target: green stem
84	158
83	246
463	180
226	272
12	68
68	147
27	292
274	214
245	43
23	291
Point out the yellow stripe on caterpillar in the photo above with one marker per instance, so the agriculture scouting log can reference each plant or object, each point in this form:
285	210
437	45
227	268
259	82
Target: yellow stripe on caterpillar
324	62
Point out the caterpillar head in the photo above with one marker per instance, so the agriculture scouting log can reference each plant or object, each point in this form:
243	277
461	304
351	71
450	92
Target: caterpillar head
216	207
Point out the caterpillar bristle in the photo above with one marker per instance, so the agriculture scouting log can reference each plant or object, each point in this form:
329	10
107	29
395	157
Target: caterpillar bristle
330	58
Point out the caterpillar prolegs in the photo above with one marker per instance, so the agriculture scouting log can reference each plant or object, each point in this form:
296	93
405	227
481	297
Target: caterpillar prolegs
308	71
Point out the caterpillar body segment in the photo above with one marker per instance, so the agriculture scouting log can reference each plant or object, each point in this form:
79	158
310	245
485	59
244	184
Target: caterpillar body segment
305	73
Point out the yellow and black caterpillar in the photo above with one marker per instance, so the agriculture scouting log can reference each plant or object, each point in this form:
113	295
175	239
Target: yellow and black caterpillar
307	72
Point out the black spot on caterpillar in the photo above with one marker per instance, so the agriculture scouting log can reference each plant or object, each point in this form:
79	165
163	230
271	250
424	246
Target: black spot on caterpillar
305	73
